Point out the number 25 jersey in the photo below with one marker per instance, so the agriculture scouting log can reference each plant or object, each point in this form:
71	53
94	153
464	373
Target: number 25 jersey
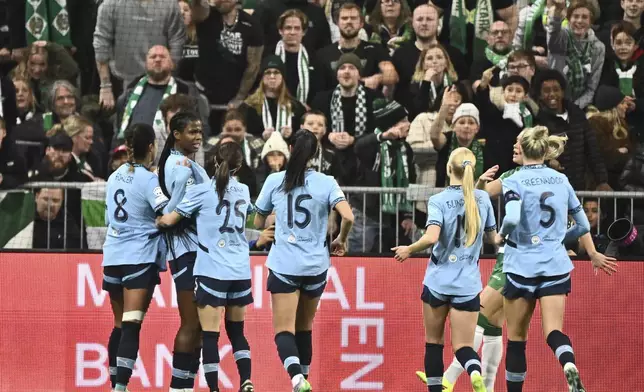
301	220
535	246
132	200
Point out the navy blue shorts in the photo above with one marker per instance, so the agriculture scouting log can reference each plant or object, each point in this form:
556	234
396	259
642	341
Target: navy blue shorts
466	303
215	292
516	286
311	286
181	269
138	276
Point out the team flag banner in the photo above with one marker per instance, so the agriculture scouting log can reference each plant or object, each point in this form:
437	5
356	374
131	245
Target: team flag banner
368	334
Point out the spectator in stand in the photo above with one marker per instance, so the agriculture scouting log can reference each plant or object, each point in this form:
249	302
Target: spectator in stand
632	11
274	156
434	73
468	33
420	133
46	62
234	129
496	56
608	120
271	108
464	128
598	226
301	77
25	101
13	169
318	34
377	69
574	50
50	229
384	160
390	24
327	160
406	58
82	133
561	116
331	9
230	53
119	157
141	101
531	35
347	109
188	62
125	30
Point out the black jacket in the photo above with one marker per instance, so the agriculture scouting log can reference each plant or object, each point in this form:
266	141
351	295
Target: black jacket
581	152
12	166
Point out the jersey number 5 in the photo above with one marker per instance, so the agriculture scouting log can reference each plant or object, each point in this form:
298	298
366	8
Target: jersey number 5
298	208
546	208
238	212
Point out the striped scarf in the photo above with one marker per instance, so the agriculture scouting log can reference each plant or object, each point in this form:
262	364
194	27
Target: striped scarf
626	79
337	114
133	100
577	64
482	17
283	117
302	70
47	20
388	178
534	13
477	149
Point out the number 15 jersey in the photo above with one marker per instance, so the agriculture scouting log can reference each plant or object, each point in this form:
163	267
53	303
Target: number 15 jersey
301	218
534	248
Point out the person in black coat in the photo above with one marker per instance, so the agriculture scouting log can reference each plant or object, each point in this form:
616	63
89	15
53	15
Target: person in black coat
13	170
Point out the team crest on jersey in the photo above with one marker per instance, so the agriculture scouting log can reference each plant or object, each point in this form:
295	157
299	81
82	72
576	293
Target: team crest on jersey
191	181
453	258
535	240
291	239
221	243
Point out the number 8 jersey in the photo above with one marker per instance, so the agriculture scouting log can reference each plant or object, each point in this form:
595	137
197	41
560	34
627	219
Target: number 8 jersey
301	220
132	200
534	248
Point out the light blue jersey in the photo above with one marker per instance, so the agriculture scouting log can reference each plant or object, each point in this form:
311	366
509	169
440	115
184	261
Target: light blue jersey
181	244
302	215
223	249
534	248
132	201
454	268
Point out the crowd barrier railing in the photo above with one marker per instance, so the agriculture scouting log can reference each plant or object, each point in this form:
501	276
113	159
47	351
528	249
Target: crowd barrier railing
75	219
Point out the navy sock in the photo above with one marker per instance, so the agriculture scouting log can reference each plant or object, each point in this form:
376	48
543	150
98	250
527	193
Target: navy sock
434	366
127	352
304	341
112	350
181	363
561	346
469	359
287	350
241	349
515	366
211	359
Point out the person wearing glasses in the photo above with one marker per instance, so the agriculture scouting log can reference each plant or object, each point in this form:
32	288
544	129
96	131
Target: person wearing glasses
491	69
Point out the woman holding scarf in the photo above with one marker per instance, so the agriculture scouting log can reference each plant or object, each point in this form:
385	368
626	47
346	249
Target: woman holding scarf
574	50
390	24
271	108
531	32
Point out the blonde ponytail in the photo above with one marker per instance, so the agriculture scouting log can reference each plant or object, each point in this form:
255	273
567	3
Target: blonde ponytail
472	217
462	163
537	143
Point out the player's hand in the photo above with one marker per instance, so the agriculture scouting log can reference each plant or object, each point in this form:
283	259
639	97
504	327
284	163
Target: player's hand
402	253
184	162
338	248
266	237
604	263
489	174
498	239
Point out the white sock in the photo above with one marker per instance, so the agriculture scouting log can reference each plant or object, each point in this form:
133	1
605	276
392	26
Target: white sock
491	359
296	380
455	369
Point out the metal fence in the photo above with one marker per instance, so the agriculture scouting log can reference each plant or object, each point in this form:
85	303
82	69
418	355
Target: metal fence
23	215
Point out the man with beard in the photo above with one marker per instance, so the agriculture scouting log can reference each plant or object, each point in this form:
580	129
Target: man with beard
377	69
347	109
58	165
425	24
494	67
50	229
562	116
231	44
142	100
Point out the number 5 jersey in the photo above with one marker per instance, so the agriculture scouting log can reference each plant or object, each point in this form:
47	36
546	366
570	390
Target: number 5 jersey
133	199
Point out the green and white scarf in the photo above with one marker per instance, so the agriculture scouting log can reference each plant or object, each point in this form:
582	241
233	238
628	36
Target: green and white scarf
534	13
302	70
447	82
477	149
499	60
47	121
407	35
577	64
626	79
389	201
519	114
133	100
482	17
47	20
284	117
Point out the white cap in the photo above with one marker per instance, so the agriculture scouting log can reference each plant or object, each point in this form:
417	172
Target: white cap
466	110
275	143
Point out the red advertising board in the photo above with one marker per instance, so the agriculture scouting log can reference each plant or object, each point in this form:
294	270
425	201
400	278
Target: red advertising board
368	335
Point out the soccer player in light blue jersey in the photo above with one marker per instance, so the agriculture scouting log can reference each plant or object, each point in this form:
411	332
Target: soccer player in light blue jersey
222	268
299	259
184	140
538	201
458	219
134	252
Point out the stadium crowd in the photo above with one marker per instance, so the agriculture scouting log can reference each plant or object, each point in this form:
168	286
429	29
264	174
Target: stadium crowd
389	87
